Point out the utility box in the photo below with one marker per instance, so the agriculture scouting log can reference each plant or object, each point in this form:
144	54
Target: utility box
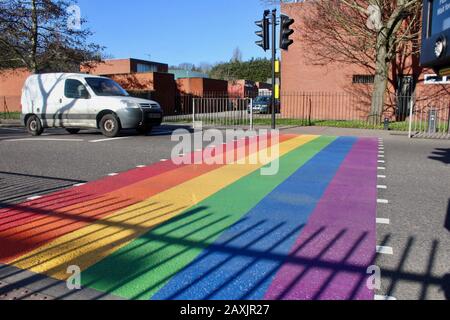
435	51
432	121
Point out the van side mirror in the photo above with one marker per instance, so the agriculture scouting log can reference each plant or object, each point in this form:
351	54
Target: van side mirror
83	93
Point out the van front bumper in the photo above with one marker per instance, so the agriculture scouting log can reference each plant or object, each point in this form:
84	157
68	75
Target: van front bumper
135	118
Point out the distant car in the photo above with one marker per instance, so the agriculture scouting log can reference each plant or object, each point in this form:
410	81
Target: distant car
80	101
263	105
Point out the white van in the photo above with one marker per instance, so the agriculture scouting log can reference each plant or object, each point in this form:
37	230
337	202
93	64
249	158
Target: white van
81	101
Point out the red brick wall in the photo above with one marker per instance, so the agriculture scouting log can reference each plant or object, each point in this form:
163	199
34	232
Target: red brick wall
11	83
161	85
300	76
120	66
242	88
201	86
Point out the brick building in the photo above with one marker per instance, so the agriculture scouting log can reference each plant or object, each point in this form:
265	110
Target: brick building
306	85
202	86
11	83
145	79
242	88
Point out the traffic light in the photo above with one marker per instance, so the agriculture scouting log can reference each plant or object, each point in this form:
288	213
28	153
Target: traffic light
286	32
264	32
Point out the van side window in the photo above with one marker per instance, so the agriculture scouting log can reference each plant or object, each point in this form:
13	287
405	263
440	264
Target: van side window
74	89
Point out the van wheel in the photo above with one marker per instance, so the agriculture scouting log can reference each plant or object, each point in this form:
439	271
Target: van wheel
34	126
144	129
73	131
110	126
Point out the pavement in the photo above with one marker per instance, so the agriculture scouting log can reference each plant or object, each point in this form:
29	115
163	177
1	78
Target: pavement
141	227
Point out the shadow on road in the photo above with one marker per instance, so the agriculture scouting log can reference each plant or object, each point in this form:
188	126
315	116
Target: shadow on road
16	187
442	155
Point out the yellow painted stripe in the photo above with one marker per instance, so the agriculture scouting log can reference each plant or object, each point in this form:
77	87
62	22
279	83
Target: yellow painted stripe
89	245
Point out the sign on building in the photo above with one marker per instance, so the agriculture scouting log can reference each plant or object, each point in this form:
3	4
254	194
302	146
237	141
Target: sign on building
436	36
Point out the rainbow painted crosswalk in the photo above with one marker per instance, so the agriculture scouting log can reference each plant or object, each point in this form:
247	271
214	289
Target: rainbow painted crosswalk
200	231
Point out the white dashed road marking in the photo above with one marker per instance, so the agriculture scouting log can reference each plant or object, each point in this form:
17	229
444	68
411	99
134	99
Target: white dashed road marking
382	187
79	184
385	250
33	198
106	140
384	298
382	201
383	221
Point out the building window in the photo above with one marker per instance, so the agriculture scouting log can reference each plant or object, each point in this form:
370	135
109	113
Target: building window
435	79
363	78
142	68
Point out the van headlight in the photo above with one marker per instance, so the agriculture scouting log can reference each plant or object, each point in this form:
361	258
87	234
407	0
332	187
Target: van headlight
131	105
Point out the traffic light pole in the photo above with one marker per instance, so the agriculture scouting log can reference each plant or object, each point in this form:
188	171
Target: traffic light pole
274	54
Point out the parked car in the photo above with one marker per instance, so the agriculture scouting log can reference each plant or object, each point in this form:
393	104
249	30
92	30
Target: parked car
81	101
263	105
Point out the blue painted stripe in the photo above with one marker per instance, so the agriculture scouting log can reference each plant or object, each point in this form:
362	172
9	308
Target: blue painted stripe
242	263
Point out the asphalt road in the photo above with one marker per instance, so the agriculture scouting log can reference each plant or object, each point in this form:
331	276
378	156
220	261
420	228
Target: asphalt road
415	223
38	165
417	178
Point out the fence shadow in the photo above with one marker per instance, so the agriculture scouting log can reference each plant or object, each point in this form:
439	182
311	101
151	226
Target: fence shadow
442	155
17	187
261	248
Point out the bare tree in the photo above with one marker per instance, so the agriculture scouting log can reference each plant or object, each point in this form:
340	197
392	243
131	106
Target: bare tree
43	35
237	55
372	34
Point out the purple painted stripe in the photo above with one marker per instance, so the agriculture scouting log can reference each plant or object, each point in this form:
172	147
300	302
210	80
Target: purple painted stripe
330	259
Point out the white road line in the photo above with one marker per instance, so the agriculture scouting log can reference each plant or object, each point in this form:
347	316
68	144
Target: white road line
381	187
140	166
380	156
380	176
34	198
44	139
385	250
163	160
384	298
382	201
383	221
381	161
106	140
113	174
79	185
381	168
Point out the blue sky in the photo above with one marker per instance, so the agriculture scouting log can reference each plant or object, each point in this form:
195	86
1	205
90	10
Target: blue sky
175	31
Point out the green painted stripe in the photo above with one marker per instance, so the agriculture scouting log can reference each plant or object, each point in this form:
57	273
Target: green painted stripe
143	267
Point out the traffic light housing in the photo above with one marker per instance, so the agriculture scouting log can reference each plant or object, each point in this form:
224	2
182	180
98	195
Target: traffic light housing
264	32
285	31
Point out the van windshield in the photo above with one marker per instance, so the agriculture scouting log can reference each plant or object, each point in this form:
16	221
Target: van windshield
106	87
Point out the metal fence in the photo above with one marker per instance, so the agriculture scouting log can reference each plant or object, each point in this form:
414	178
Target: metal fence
430	118
294	109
